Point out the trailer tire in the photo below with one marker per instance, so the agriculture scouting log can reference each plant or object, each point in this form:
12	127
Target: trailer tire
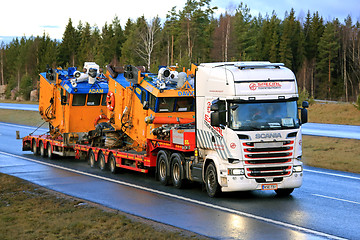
101	161
42	149
163	167
177	170
112	164
213	188
34	148
92	161
49	151
284	192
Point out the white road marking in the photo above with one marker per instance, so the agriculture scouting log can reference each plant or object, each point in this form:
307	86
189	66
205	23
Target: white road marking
338	199
332	174
229	210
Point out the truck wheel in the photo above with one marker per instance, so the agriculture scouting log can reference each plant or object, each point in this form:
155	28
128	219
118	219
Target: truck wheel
284	192
49	151
213	188
101	160
42	149
112	163
177	171
34	148
163	167
92	161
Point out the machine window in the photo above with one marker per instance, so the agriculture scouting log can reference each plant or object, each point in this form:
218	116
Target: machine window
103	100
184	104
152	102
166	104
93	100
79	99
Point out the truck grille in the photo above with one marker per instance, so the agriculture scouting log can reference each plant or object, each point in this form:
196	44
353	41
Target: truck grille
269	154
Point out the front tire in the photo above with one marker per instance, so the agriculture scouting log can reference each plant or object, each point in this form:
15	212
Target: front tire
284	192
213	188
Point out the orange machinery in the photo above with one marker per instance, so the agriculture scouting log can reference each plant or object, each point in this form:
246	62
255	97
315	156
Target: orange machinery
139	103
72	101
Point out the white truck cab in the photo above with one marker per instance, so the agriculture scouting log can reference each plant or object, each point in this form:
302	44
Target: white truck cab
248	129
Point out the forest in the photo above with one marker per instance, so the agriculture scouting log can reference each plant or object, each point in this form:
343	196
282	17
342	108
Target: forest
324	55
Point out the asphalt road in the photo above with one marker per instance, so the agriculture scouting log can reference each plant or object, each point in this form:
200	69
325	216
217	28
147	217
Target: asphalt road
315	129
326	206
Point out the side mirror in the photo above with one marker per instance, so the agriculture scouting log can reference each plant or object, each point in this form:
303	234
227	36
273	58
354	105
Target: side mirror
63	100
218	119
305	104
214	107
146	105
304	115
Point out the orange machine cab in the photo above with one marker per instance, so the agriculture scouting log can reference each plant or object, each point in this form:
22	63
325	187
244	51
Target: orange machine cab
72	101
139	103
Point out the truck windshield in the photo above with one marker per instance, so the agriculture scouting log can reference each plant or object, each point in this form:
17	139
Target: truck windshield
263	116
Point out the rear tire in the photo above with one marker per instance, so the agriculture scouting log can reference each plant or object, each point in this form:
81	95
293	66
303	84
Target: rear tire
177	171
163	167
92	161
112	164
213	188
284	192
101	160
34	148
49	151
42	149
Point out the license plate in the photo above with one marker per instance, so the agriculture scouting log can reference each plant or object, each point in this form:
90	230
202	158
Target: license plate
269	187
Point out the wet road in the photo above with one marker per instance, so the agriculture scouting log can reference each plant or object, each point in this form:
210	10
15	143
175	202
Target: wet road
331	130
326	206
19	106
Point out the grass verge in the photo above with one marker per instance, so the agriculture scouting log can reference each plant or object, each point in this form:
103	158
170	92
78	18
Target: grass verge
332	153
30	118
32	212
341	113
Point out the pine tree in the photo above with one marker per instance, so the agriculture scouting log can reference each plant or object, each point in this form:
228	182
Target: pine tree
328	51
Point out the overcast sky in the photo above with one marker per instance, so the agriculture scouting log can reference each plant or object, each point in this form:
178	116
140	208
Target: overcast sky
19	18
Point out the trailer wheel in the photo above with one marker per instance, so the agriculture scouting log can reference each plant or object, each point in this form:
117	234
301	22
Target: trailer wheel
284	192
42	149
163	167
177	171
34	148
112	164
92	161
49	151
213	188
101	160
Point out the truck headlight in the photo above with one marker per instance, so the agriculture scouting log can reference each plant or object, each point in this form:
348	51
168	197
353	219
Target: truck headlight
236	171
298	168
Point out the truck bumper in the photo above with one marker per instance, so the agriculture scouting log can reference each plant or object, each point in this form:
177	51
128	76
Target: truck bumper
241	183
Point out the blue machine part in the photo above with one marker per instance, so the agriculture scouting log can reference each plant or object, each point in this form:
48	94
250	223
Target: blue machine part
100	85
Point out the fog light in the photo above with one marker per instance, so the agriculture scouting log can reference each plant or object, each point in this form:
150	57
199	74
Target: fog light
297	168
236	171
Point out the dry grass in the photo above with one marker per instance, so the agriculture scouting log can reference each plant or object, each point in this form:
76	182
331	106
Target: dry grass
332	153
344	113
30	118
31	212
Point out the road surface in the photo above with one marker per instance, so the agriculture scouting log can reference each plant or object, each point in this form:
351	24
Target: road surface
327	206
